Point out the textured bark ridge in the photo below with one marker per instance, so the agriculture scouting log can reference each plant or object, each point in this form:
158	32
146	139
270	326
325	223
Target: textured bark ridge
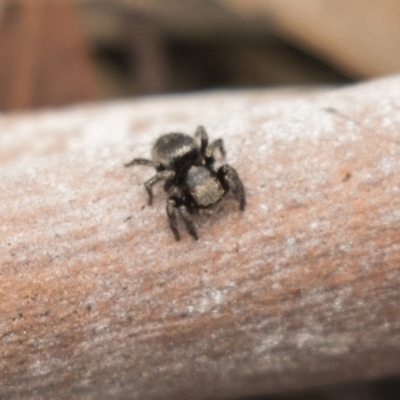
303	288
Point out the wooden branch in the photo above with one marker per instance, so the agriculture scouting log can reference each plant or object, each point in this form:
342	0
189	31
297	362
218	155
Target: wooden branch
302	289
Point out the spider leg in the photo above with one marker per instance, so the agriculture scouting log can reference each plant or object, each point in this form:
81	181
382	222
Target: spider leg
231	182
207	150
187	219
202	134
160	176
216	144
173	221
172	209
143	161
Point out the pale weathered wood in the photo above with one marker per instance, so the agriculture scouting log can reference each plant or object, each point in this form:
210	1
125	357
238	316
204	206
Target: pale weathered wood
302	289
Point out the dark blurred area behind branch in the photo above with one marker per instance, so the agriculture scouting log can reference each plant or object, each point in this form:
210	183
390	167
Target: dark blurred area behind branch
58	52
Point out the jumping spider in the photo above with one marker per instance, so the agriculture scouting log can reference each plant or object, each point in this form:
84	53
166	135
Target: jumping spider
186	167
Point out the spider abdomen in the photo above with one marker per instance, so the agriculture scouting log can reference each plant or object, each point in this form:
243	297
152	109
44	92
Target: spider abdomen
203	186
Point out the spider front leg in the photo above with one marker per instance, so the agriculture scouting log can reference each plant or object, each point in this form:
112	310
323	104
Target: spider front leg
173	221
202	134
207	150
172	209
216	144
230	180
188	221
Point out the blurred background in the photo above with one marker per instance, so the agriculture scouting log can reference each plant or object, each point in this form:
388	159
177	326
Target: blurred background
61	52
58	52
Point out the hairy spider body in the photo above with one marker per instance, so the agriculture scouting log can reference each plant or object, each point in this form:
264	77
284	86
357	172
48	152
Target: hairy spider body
175	151
203	186
187	169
